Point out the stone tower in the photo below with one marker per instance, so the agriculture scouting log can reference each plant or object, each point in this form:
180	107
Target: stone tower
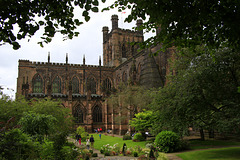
118	43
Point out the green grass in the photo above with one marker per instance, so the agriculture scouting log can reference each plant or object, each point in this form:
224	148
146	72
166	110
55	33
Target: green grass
198	144
113	140
231	153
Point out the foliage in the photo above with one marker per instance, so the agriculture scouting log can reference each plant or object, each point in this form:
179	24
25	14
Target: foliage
56	109
37	125
59	141
167	141
94	155
80	130
53	16
127	137
186	23
135	154
129	98
139	137
15	144
143	121
46	151
202	94
12	109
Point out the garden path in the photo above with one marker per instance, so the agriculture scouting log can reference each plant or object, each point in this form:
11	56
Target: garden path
171	156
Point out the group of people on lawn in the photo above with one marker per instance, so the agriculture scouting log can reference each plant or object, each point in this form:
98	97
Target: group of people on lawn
88	141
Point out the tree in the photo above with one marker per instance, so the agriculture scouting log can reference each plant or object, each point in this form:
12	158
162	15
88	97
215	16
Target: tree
187	23
143	121
29	16
56	109
203	94
38	125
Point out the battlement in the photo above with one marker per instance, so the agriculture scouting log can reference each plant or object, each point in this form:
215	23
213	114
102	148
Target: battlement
46	64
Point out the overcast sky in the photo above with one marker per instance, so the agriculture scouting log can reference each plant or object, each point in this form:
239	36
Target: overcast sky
88	43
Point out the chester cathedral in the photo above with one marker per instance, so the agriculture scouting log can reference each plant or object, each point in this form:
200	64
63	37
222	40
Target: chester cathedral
83	88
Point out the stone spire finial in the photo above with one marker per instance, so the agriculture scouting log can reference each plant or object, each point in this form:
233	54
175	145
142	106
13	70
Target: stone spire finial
66	58
84	61
48	57
100	62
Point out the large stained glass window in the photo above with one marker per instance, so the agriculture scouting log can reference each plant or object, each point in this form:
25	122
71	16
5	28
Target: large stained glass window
56	85
97	114
37	84
75	85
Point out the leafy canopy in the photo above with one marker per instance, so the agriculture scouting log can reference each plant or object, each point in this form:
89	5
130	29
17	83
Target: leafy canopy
29	15
187	23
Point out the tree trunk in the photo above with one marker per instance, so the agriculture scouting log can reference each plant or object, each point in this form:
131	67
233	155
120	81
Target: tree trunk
202	134
211	133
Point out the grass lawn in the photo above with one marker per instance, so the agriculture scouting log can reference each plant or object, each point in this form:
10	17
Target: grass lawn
231	153
113	140
198	144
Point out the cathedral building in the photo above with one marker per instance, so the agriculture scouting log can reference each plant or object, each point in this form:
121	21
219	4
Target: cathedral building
83	88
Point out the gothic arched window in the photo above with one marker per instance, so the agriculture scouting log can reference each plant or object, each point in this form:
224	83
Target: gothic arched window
37	84
91	85
97	114
124	52
107	84
78	114
56	85
75	85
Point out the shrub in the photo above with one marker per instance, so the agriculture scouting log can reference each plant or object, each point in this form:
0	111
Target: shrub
183	145
138	136
106	154
127	137
167	141
135	154
91	151
94	155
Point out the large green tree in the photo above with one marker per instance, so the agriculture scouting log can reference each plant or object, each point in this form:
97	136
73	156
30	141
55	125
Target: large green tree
22	18
187	23
203	94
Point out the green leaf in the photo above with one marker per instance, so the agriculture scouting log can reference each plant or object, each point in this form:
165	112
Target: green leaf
87	18
94	9
85	13
15	45
41	23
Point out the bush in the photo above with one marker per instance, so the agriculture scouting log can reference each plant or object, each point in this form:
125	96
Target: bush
94	155
135	154
127	137
139	137
167	141
106	154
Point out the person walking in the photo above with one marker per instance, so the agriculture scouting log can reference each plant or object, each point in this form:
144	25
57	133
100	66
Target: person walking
77	138
92	141
88	143
100	135
80	139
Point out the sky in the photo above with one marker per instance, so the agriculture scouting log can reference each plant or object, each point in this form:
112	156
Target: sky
88	43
